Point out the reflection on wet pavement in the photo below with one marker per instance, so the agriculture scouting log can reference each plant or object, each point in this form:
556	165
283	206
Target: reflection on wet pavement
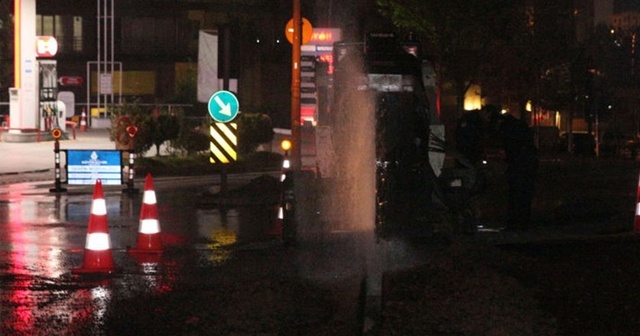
42	237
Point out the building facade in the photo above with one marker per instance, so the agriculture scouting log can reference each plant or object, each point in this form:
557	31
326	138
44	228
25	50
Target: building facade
155	45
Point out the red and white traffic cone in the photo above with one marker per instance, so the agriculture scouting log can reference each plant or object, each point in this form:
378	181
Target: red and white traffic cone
149	238
286	166
97	255
636	223
276	230
83	121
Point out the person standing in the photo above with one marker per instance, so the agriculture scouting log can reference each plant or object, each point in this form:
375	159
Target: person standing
470	137
517	140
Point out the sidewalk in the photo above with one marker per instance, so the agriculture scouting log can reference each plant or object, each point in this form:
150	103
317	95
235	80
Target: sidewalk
30	157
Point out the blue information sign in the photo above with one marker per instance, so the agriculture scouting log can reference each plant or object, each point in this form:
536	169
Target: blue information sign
86	166
223	106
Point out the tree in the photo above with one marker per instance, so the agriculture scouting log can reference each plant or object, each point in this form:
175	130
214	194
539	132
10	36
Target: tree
163	128
186	88
533	58
193	139
150	128
455	34
253	130
606	67
505	46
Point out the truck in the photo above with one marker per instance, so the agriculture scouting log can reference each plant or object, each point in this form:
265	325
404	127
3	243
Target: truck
414	190
382	161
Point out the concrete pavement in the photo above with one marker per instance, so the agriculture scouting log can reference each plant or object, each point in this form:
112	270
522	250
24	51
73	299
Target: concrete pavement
29	157
30	161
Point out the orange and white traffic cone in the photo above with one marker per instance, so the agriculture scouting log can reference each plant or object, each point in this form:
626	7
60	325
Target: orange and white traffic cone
636	223
276	230
83	121
97	255
149	238
286	166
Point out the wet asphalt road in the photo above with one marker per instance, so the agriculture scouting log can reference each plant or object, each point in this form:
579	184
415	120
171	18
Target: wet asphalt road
42	239
224	269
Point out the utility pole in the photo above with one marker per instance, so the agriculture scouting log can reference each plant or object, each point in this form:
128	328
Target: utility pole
296	153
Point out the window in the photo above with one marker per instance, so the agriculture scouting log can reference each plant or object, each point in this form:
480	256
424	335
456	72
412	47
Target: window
65	28
77	33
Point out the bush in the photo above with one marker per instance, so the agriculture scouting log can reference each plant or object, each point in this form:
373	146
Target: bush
127	117
163	128
150	128
253	130
198	164
193	139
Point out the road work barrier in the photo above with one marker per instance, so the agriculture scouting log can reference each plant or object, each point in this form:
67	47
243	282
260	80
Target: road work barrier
85	166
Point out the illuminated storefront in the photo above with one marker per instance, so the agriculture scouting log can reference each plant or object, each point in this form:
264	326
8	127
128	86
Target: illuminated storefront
315	72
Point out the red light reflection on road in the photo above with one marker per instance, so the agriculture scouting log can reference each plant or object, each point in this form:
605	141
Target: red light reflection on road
27	261
21	297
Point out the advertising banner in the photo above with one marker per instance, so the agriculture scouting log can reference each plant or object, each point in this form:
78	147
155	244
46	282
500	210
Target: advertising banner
207	65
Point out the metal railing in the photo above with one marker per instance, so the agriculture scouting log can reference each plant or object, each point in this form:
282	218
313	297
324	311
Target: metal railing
169	107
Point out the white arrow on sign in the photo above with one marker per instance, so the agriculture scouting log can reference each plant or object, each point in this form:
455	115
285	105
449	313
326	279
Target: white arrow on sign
224	108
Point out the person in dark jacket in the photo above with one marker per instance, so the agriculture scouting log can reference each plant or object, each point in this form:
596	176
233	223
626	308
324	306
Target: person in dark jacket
517	140
470	137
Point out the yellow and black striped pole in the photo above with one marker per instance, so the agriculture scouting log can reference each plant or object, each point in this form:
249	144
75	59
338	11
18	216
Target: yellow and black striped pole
223	148
224	142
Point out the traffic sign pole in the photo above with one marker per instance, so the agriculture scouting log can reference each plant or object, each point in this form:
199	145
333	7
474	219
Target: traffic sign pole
57	186
226	73
131	131
296	153
223	108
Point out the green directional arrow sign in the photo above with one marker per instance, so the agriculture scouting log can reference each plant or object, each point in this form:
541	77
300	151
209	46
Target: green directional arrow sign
223	106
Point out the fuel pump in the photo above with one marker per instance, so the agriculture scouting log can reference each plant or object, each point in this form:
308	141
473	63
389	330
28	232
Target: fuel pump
51	114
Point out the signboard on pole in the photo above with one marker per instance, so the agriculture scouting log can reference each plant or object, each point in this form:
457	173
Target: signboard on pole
84	167
223	106
106	84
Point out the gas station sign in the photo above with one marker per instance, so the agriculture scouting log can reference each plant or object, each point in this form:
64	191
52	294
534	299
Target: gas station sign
325	36
46	46
307	31
70	80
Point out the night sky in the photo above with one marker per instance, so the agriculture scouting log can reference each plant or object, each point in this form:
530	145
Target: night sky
626	5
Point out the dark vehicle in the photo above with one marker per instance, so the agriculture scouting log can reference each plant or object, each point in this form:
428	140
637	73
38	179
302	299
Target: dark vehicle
583	144
409	186
630	149
547	138
613	143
